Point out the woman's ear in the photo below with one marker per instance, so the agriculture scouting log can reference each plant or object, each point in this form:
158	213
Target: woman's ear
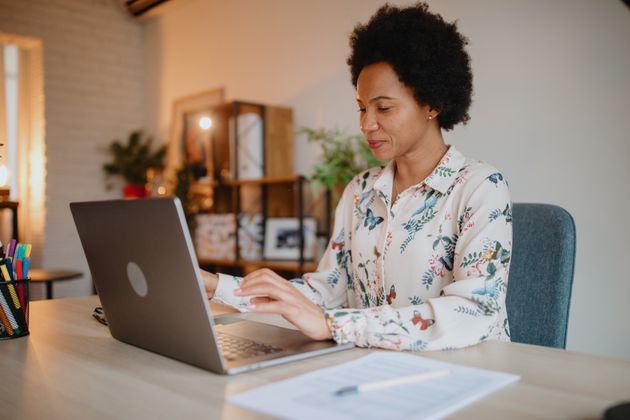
432	113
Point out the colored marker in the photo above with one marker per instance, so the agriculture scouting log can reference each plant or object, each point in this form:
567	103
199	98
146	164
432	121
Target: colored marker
6	307
18	261
9	265
19	256
6	324
11	250
23	287
27	260
7	317
7	277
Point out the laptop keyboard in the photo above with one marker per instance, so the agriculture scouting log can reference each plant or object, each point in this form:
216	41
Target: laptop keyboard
235	348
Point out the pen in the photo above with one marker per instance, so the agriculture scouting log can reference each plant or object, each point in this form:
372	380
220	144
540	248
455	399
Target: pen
372	386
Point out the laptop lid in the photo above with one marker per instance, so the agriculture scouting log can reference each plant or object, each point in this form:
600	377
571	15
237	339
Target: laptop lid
144	267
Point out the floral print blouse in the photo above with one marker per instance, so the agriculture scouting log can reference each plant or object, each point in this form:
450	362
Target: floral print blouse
426	273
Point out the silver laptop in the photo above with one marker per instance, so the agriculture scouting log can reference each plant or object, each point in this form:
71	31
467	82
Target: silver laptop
145	270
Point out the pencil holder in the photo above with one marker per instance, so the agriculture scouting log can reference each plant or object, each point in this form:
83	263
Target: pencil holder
13	309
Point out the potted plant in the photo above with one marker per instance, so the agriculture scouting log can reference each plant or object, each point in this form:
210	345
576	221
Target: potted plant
131	161
343	156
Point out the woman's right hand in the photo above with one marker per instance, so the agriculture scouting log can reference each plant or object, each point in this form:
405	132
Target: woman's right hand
210	281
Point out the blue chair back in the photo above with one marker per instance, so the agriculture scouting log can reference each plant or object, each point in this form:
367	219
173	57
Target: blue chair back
541	274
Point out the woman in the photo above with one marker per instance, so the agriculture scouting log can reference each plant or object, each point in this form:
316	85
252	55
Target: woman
420	250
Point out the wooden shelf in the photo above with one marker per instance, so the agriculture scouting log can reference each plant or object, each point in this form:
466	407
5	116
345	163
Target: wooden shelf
308	266
203	189
256	181
280	193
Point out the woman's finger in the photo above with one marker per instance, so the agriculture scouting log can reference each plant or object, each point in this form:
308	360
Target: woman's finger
267	290
263	273
265	279
260	299
274	307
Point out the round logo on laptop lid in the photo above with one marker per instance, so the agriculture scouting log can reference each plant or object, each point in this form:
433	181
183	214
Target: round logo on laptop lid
136	279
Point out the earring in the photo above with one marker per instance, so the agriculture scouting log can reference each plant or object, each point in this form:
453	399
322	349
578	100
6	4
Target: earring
430	117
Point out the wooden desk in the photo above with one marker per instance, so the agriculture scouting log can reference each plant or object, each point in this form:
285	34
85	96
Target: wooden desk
70	367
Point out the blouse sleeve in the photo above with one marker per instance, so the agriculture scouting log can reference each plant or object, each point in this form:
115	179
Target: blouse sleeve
327	287
469	309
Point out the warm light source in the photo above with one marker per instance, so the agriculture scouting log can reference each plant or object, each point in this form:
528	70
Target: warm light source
205	122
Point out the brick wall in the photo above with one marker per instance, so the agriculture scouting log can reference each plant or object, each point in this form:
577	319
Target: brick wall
93	84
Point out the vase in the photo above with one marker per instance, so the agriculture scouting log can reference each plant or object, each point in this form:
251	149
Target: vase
134	191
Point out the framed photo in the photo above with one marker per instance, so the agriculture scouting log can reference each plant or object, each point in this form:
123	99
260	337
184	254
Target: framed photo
215	236
190	140
282	238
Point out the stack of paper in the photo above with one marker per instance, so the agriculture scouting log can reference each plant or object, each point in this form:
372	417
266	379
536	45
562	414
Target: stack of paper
312	396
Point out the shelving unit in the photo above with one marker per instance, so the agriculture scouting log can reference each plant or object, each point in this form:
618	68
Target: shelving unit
278	193
273	203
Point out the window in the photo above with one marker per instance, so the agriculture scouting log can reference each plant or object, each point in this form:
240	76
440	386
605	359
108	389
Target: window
8	161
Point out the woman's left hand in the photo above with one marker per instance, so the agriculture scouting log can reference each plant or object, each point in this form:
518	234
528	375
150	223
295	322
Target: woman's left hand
274	294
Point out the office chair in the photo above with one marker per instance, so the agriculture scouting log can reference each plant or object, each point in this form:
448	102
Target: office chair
541	274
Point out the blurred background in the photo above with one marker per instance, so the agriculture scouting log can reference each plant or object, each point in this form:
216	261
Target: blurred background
550	109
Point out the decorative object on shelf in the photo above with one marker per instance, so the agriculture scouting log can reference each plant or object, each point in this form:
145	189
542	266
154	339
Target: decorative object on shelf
190	142
248	161
250	236
343	156
282	238
131	161
215	236
252	141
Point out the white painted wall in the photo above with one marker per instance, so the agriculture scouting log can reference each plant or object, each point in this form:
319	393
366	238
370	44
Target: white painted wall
550	110
94	92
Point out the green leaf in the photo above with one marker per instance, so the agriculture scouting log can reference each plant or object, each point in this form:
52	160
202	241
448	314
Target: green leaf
343	156
132	160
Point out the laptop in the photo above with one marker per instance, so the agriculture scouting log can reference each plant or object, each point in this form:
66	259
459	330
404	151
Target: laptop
145	270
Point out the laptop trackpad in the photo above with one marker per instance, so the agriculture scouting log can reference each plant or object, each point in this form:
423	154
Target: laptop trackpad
227	319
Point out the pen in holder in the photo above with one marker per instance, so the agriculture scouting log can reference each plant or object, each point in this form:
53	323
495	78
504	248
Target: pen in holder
13	308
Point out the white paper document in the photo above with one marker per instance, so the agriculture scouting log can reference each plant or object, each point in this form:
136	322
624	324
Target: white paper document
312	395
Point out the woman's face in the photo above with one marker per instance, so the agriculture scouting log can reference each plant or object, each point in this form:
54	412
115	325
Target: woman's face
392	121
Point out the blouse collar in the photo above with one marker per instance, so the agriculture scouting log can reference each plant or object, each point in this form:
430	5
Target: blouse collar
442	177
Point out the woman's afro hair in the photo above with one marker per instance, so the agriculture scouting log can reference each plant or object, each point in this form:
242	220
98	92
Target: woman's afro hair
427	53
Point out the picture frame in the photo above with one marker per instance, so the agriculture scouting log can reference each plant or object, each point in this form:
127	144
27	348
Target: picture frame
282	238
187	142
215	236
